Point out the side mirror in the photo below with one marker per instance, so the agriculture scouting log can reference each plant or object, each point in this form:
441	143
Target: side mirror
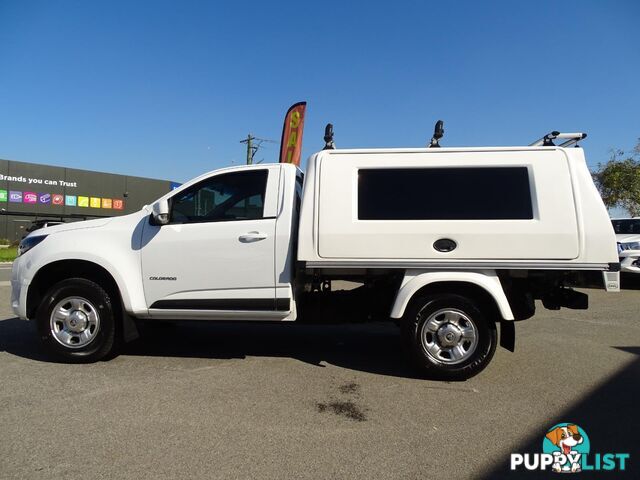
160	212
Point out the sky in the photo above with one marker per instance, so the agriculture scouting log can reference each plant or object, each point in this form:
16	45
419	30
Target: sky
167	89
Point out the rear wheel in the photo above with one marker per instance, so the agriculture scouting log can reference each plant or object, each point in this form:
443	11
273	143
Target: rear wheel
76	321
448	336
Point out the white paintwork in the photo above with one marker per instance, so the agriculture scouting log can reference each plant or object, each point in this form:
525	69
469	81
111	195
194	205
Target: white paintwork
111	243
255	259
286	235
209	260
414	280
570	225
212	260
551	234
205	258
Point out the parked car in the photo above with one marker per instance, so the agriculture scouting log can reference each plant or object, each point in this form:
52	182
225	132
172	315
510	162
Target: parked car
628	239
450	243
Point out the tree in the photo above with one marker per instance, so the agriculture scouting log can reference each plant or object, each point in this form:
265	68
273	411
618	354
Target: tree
618	180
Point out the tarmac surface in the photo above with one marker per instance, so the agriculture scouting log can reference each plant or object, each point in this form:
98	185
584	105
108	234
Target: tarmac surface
206	400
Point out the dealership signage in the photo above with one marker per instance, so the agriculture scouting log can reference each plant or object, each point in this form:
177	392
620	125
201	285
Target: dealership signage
52	199
291	143
37	181
15	196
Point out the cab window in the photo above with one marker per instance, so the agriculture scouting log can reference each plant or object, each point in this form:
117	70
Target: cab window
222	198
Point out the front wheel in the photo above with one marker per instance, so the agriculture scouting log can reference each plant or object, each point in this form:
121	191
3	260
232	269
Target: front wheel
448	337
76	321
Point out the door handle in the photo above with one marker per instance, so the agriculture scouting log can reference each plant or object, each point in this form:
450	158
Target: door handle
252	237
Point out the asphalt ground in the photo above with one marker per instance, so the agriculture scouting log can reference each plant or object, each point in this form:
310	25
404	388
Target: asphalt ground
203	400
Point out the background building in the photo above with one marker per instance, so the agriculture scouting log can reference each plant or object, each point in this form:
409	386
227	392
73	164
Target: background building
30	192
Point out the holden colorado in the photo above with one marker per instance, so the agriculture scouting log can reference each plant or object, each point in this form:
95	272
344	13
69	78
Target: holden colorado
449	243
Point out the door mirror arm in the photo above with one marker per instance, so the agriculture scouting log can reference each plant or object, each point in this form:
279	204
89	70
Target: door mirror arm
160	213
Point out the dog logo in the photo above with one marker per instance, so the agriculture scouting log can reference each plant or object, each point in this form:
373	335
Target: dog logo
569	444
566	449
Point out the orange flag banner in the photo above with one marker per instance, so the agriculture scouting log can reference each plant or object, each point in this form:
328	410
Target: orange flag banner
291	143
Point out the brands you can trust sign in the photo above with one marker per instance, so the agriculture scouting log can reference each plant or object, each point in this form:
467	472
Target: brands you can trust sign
54	199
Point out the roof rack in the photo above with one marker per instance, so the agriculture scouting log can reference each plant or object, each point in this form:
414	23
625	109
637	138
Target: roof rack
570	139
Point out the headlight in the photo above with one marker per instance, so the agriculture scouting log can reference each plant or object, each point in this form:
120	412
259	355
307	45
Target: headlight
29	242
629	246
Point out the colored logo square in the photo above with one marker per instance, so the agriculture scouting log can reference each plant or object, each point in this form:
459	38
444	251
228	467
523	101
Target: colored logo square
30	197
70	200
3	196
118	204
83	201
15	197
57	199
107	203
44	198
94	202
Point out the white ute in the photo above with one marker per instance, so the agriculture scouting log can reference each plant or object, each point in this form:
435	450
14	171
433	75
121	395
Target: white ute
447	242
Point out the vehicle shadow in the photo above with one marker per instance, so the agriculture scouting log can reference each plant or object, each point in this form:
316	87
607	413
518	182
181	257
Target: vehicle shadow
19	337
606	415
630	281
372	347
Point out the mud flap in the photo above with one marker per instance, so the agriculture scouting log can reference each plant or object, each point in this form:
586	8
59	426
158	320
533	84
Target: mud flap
508	335
129	328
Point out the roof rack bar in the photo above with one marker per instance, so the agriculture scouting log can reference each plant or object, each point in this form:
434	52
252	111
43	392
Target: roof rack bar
547	140
573	141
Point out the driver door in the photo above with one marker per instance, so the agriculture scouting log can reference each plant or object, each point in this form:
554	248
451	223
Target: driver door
215	258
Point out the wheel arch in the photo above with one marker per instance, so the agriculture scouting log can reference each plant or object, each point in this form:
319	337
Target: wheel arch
484	287
57	271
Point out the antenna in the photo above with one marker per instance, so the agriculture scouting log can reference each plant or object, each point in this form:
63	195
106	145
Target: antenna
328	138
438	133
253	145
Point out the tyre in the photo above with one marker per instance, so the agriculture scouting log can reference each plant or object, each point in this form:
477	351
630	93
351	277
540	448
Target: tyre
76	321
448	337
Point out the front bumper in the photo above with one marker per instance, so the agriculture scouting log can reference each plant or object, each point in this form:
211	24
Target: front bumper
630	261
